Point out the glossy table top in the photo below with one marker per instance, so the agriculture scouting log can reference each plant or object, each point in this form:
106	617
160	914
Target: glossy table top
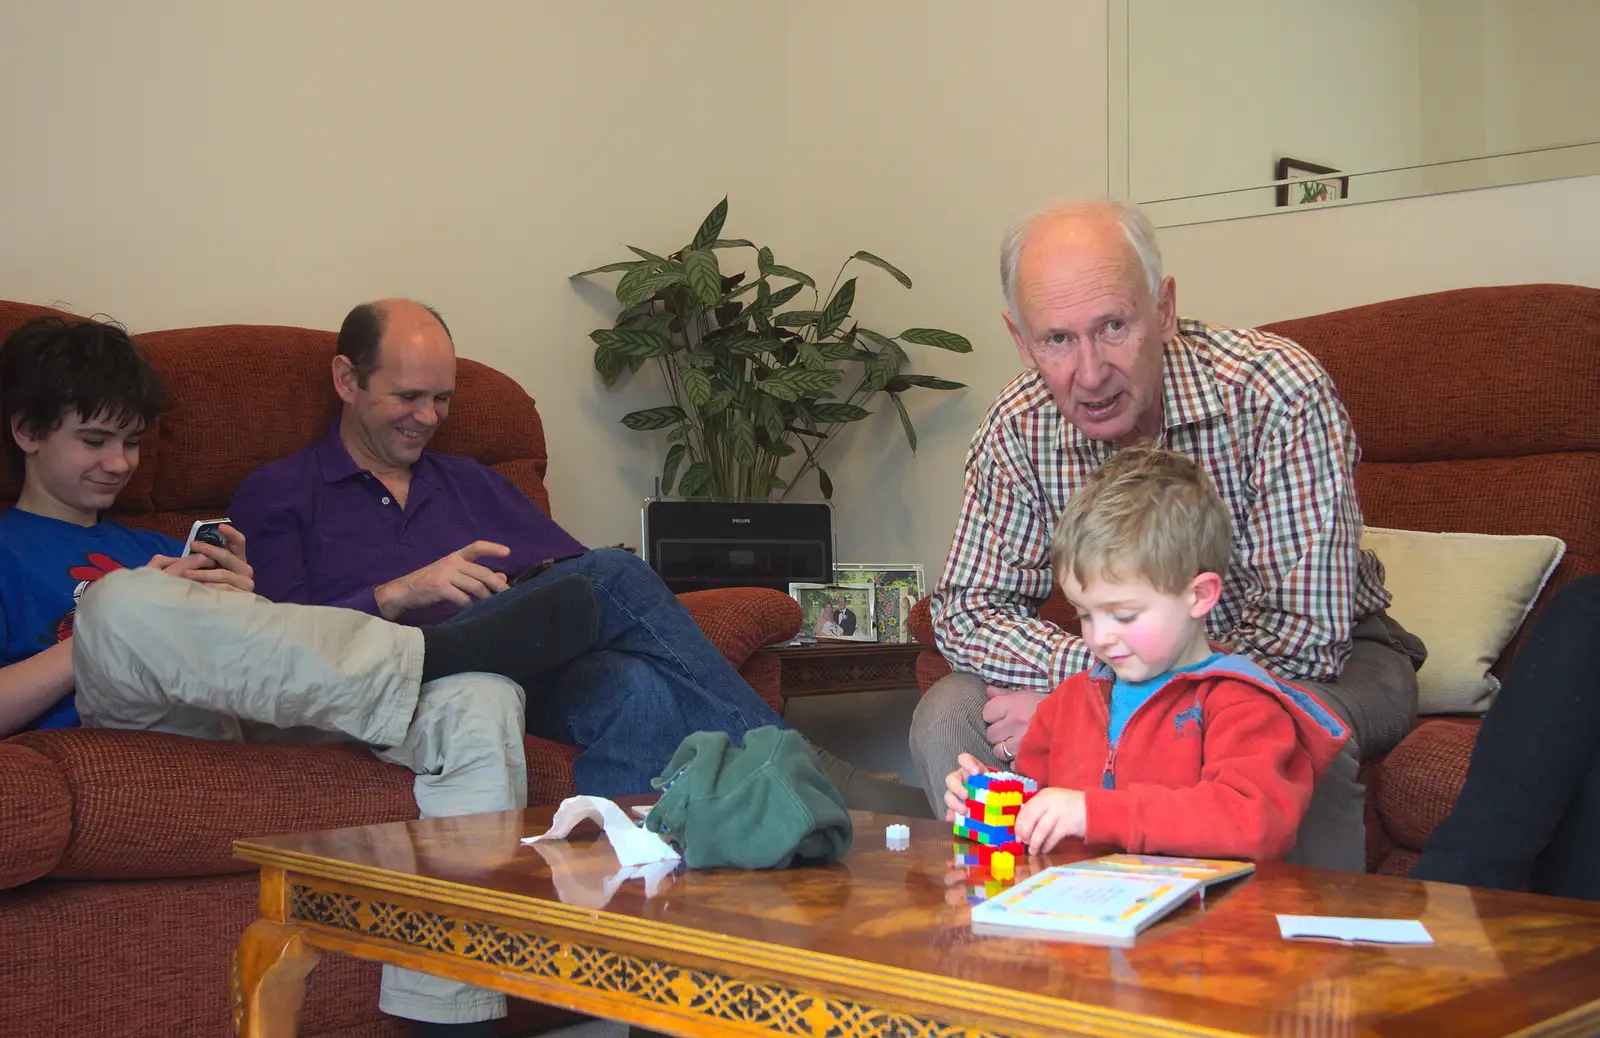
1501	962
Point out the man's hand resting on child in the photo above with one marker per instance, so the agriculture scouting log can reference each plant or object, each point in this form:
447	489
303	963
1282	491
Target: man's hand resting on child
1007	714
223	568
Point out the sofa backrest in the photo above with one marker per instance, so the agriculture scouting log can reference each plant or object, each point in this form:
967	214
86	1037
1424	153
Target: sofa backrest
1477	410
244	395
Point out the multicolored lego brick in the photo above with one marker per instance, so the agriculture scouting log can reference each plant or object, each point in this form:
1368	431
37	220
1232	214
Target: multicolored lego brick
993	800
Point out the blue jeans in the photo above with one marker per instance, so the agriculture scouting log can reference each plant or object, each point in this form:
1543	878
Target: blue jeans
651	679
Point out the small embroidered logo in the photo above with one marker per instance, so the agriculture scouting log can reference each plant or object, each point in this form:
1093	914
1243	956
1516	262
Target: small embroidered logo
1184	717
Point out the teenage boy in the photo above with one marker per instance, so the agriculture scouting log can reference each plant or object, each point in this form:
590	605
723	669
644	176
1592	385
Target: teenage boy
89	604
1165	745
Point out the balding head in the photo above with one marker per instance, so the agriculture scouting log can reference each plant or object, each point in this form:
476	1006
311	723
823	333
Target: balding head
1091	311
395	370
1114	228
362	335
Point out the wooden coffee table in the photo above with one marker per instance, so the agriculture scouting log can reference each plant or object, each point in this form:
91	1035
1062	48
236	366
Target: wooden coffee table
881	944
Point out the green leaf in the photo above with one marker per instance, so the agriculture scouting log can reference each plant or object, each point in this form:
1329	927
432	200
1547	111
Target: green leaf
878	339
747	344
831	412
837	310
719	401
694	479
669	471
877	261
880	369
732	243
644	283
810	358
696	385
764	260
791	383
778	450
779	270
781	296
632	343
905	421
654	418
661	262
824	483
770	413
767	483
609	268
742	440
609	363
937	337
929	382
711	226
833	350
796	318
704	276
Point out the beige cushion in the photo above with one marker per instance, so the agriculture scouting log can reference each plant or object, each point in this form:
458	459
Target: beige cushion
1464	595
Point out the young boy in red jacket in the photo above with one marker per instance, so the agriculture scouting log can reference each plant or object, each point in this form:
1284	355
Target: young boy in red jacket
1165	745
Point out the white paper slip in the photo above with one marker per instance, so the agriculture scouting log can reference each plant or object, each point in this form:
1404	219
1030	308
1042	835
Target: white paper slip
633	845
1350	928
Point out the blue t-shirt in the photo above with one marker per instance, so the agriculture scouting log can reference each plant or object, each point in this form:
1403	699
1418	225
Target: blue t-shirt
45	565
1128	696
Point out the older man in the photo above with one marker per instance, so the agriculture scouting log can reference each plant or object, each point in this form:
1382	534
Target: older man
1110	364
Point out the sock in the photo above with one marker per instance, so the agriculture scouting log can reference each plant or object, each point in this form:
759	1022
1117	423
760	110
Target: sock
540	629
863	791
427	1030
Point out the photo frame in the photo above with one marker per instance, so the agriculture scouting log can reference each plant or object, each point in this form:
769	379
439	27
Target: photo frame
837	612
1315	189
899	586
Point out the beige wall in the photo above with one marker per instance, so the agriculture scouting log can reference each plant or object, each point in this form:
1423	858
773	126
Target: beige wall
199	162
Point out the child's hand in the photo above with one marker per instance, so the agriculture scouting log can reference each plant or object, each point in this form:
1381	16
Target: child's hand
1050	817
955	785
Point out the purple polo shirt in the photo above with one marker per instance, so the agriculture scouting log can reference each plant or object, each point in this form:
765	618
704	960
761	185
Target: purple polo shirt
323	531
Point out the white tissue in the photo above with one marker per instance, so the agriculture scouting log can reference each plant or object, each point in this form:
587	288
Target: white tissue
633	845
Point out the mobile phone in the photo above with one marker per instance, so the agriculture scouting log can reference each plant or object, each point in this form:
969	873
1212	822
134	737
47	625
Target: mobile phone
208	531
539	567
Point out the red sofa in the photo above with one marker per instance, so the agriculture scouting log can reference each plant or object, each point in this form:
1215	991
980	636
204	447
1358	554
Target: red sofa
120	899
1478	410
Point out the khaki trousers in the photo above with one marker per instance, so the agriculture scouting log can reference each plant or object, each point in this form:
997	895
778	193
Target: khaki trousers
157	653
1375	695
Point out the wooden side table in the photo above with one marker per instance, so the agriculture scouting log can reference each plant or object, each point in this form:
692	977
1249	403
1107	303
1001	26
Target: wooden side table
829	668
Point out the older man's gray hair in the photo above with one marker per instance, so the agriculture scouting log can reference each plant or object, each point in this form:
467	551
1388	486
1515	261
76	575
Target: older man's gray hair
1135	227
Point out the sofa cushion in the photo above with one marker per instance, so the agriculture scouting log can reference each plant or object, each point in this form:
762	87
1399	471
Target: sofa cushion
150	805
1464	595
35	814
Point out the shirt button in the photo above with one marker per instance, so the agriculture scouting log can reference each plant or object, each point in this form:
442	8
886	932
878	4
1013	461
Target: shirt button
385	500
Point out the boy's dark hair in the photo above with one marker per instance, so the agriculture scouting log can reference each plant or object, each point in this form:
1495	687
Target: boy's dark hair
362	333
50	365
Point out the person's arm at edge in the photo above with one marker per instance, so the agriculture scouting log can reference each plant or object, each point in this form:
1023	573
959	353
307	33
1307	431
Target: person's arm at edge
30	687
985	608
1253	791
1285	624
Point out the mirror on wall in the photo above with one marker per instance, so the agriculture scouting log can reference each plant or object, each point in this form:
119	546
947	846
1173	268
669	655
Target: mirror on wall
1355	100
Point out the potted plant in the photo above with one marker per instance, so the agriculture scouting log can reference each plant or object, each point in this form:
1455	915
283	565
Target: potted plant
753	379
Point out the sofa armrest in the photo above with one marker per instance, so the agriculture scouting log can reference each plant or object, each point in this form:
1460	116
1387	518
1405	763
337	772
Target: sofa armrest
35	814
740	620
1422	778
920	622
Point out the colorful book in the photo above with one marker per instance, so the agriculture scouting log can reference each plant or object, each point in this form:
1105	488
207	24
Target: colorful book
1116	896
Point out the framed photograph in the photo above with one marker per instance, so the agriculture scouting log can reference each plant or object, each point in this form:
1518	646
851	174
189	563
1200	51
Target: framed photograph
836	612
899	586
1314	190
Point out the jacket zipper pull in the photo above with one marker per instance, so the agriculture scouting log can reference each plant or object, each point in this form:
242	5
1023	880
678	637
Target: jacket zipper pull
1108	778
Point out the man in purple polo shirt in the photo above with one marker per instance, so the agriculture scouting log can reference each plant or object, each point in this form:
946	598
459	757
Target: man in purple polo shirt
370	519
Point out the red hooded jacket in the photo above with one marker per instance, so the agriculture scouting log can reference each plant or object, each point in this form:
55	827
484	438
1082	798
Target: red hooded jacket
1218	762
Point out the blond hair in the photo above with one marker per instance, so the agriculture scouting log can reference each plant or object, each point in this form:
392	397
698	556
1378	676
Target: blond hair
1146	513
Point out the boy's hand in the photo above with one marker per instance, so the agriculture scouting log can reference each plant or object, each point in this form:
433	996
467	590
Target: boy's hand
955	785
228	570
1050	817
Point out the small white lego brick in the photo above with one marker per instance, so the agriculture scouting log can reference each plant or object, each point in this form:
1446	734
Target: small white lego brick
898	837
